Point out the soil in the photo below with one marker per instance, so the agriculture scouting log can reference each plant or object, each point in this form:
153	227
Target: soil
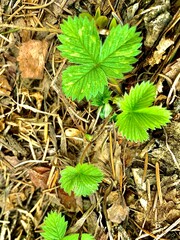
42	131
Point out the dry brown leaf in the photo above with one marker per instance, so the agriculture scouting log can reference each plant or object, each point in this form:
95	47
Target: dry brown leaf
32	55
39	176
24	22
118	211
5	88
172	69
73	132
75	136
159	54
12	201
68	201
13	160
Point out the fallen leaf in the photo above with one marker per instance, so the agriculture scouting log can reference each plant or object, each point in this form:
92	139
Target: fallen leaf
172	69
68	201
39	176
75	136
159	54
39	98
118	211
13	160
32	55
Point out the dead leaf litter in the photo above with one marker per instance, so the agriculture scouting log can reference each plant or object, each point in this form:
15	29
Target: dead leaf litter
42	132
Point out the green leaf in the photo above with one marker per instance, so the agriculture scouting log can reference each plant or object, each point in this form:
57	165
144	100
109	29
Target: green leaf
97	13
106	110
101	22
54	226
112	24
77	82
95	63
86	14
118	51
80	41
84	236
83	179
102	98
141	96
137	117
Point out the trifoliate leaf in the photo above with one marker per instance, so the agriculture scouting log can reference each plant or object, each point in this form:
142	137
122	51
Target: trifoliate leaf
83	179
137	117
54	226
84	236
81	44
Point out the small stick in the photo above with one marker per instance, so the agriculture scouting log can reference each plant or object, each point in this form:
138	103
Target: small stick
38	6
148	190
121	178
177	222
51	30
158	183
111	155
145	167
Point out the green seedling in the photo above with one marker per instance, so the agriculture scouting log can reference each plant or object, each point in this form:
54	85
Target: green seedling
94	63
83	179
54	228
102	101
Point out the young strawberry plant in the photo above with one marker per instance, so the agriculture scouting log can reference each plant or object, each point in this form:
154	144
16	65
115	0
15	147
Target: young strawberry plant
54	228
93	63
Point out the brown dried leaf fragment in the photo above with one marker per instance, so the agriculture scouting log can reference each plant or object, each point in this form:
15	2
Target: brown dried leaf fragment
39	176
172	69
5	88
32	55
118	211
159	54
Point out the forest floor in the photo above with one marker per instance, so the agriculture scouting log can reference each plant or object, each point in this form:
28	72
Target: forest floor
42	131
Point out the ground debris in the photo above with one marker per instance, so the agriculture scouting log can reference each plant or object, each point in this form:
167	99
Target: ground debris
42	132
32	55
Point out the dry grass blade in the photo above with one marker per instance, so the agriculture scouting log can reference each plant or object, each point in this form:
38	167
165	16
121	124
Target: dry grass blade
158	184
145	167
168	229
